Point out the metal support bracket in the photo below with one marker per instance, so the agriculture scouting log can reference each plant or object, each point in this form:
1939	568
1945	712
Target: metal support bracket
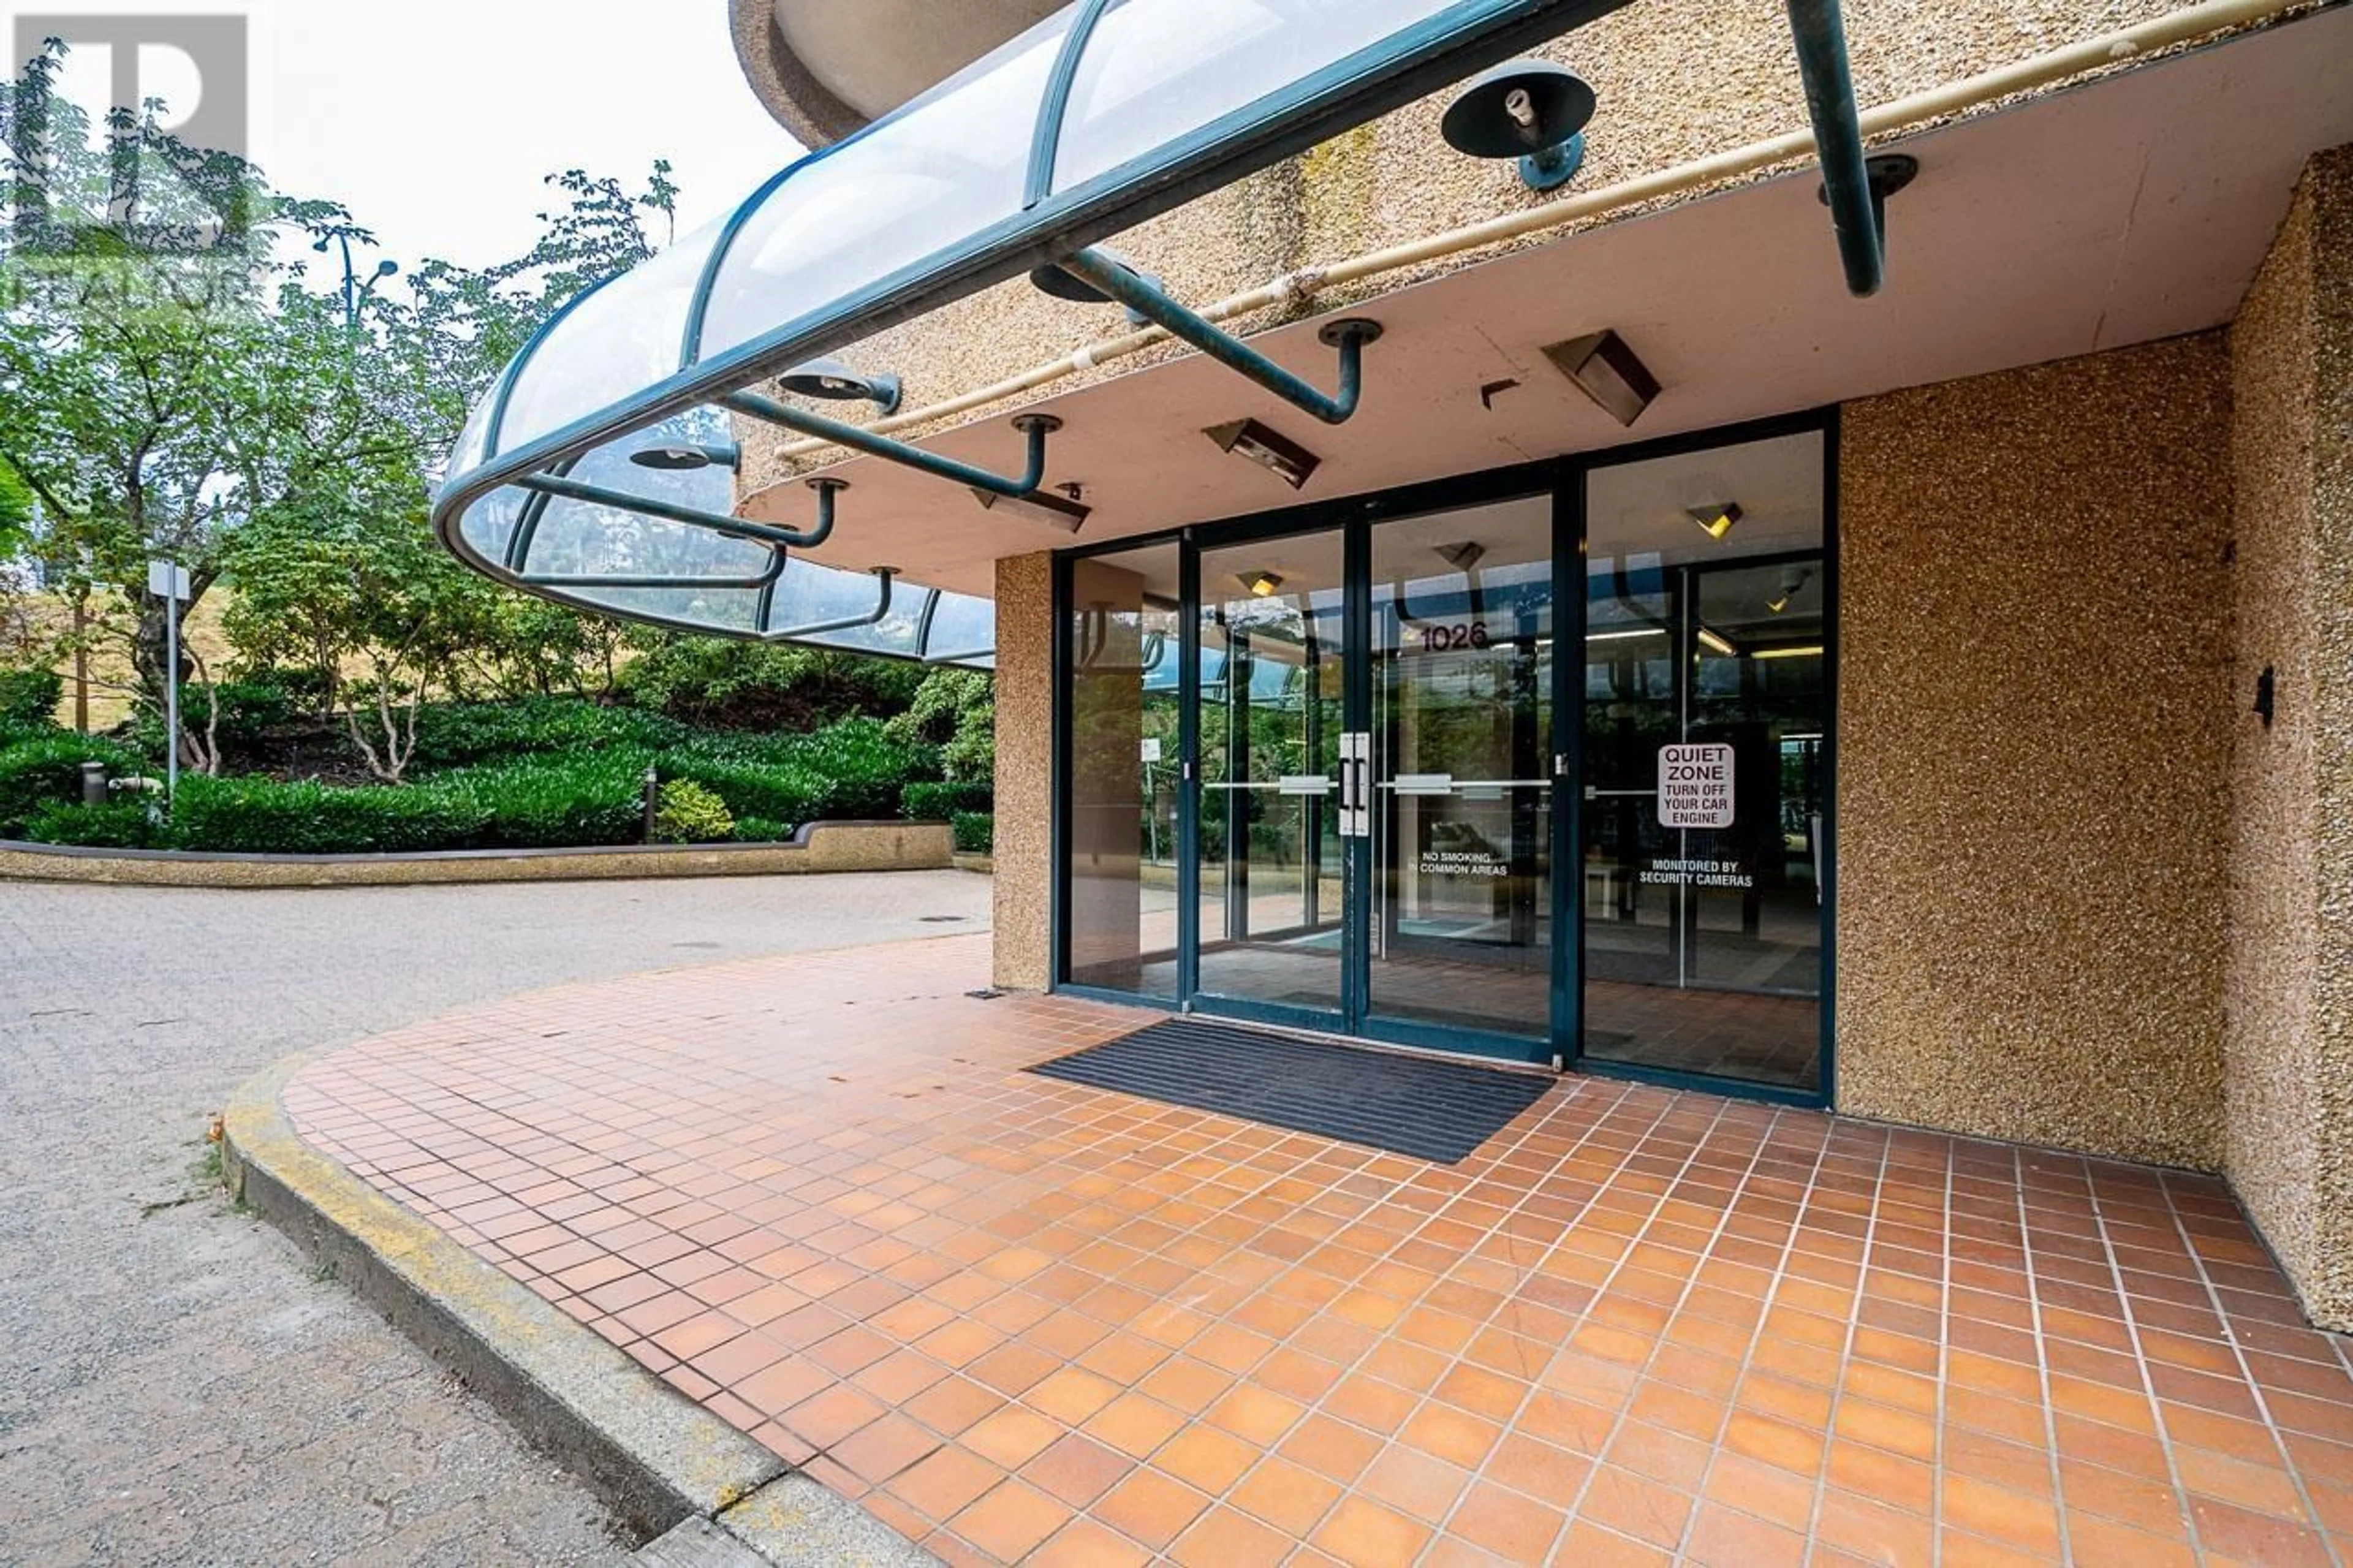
882	576
857	439
716	522
1124	284
1821	36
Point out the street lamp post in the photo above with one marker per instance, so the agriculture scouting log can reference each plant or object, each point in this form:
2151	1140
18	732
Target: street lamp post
353	288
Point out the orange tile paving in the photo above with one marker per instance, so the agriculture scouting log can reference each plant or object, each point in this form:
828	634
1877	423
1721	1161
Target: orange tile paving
1023	1321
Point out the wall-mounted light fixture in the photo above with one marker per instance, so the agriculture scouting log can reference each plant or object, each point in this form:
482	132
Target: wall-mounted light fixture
1533	110
1264	584
1716	517
1609	371
1626	634
1284	458
686	457
1716	641
831	381
1038	506
1811	650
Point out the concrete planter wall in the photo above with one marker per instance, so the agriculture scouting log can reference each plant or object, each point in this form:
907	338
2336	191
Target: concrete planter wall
818	847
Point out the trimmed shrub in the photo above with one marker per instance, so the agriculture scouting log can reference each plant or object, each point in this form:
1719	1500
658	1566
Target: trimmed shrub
550	803
737	685
468	734
263	817
760	830
28	698
782	795
975	832
927	802
686	813
47	771
118	825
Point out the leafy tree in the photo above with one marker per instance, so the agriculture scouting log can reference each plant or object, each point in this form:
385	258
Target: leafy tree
170	381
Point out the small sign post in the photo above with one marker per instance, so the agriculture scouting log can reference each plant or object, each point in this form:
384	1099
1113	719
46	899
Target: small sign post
169	583
1695	785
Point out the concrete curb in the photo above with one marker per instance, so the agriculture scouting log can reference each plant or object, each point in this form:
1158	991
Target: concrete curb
654	1455
818	846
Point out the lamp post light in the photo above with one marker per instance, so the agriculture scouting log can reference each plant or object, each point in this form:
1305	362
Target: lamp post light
353	288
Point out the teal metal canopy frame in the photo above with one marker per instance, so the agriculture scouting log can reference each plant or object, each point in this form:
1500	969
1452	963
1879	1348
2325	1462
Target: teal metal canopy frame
1024	160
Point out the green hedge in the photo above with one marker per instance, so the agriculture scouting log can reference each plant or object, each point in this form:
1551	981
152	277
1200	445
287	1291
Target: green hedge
760	830
264	816
465	734
47	771
925	801
550	803
975	832
118	825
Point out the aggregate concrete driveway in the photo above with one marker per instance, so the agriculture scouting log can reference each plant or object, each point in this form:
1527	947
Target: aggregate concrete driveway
175	1386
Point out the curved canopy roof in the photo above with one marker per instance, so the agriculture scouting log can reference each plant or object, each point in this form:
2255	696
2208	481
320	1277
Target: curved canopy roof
1102	115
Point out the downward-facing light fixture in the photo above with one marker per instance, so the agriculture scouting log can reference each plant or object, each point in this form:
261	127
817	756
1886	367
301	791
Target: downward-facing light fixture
1533	110
682	457
1462	557
1716	520
1812	651
1284	458
1264	584
1716	642
1609	371
1793	582
1038	506
1626	634
831	381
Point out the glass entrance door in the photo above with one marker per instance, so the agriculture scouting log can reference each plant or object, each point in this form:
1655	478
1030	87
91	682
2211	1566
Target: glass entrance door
1270	714
1447	779
1375	821
1462	927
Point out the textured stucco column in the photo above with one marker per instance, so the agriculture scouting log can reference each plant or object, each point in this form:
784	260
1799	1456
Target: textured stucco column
2290	997
2033	753
1025	772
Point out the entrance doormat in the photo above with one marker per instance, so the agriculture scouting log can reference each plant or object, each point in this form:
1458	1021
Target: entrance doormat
1435	1110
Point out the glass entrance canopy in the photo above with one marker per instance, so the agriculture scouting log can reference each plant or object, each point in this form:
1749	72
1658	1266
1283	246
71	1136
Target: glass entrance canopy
1101	116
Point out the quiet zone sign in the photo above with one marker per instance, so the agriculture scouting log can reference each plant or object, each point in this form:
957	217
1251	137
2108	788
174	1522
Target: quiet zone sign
1696	786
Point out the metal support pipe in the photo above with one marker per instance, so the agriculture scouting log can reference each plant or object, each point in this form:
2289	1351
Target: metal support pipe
966	657
1821	36
717	522
884	575
1131	289
1036	427
767	577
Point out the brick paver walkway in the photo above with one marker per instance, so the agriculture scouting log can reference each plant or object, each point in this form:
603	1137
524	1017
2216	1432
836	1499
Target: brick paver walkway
1023	1320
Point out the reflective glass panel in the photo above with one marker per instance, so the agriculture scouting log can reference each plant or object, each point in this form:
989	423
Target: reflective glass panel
1271	693
613	344
1124	772
942	170
1705	718
1155	71
1462	791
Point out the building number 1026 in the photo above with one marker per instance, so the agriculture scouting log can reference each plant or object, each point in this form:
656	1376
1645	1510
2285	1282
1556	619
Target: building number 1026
1456	638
